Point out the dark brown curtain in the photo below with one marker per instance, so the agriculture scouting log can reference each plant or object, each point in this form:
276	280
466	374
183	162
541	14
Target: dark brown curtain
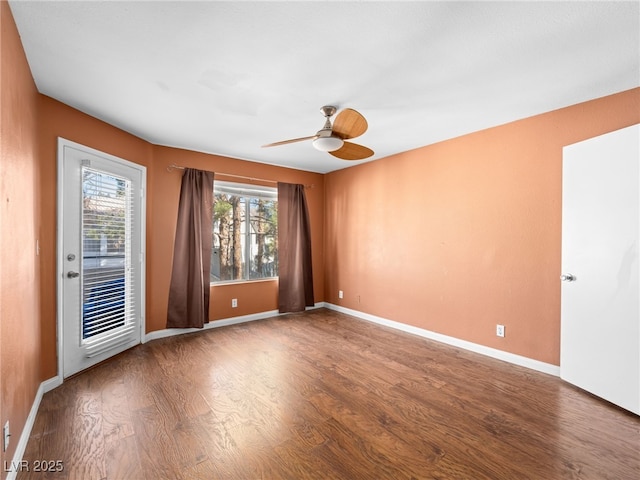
189	289
294	250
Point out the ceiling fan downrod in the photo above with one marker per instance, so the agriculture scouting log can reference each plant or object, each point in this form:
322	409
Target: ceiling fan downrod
328	111
325	140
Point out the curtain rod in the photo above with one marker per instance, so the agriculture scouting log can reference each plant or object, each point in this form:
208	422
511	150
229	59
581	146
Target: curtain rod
173	166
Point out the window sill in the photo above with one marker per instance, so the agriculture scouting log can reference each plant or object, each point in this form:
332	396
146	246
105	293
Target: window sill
239	282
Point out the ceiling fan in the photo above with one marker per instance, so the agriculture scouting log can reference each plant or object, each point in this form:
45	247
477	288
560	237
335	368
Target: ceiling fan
347	124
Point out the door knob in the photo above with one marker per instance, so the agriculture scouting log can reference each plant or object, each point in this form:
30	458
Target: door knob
72	274
568	277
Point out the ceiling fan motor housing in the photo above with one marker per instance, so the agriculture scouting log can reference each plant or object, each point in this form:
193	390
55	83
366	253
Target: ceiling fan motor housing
326	141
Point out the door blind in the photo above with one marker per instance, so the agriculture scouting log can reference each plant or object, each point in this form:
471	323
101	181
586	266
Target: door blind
108	308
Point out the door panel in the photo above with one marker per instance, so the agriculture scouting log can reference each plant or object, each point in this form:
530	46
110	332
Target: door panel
600	333
101	264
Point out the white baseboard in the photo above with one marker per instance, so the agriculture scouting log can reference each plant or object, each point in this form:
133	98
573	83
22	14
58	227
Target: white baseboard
44	387
169	332
26	433
456	342
52	383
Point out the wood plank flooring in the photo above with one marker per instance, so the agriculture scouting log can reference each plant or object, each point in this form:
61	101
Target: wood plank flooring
322	395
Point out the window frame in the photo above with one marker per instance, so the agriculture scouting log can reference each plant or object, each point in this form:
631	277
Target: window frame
247	192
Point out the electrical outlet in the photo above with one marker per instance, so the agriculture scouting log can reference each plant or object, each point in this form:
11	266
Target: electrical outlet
5	436
340	294
500	330
234	302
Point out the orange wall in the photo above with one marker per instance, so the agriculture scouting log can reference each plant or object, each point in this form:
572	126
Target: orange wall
20	216
253	297
459	236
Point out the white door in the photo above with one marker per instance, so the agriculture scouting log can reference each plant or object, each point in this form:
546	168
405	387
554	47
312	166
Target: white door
101	218
600	333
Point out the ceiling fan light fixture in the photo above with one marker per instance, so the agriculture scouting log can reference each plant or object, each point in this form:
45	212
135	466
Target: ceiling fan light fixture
328	144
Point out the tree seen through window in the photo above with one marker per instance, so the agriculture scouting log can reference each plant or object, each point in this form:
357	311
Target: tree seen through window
245	226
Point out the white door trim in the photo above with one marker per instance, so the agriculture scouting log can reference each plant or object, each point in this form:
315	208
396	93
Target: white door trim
62	143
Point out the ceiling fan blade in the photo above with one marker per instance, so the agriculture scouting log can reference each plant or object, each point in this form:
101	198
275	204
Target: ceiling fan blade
349	124
293	140
352	151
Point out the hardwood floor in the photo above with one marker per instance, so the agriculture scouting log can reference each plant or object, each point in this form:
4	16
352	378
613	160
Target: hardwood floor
322	395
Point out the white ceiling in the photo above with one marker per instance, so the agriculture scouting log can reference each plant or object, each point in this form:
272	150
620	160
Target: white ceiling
228	77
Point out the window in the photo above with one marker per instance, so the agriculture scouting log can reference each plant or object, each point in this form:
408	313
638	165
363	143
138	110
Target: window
245	232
